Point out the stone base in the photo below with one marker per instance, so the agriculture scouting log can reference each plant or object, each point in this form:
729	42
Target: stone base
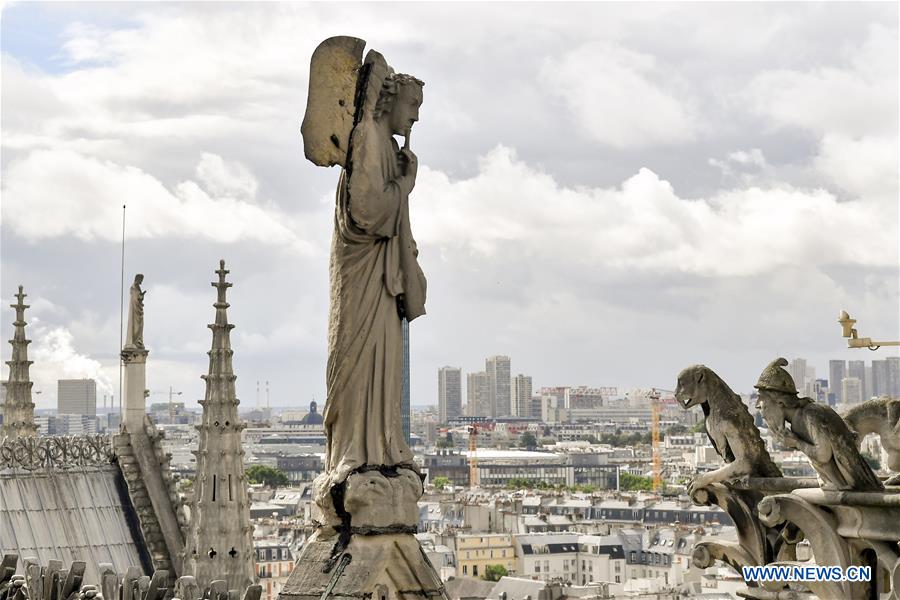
379	567
370	500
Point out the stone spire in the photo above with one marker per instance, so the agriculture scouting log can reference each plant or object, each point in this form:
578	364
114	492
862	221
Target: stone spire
18	411
220	544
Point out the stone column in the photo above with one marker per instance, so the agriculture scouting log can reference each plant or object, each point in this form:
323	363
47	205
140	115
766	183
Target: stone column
135	400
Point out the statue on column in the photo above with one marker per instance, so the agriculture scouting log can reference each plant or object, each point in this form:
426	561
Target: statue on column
353	112
134	332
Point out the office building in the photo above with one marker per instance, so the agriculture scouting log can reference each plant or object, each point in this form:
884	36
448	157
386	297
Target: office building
449	393
851	390
797	369
477	395
498	371
521	395
857	369
837	371
404	382
879	377
893	376
77	397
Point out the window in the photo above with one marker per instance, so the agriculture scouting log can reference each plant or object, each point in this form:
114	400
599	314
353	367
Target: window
465	569
537	567
618	579
474	570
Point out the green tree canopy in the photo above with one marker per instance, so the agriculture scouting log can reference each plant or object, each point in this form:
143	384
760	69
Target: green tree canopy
440	483
268	476
527	440
495	572
629	482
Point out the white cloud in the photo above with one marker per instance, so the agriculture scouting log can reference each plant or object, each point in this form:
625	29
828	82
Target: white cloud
866	167
643	224
618	95
853	99
53	193
56	357
226	178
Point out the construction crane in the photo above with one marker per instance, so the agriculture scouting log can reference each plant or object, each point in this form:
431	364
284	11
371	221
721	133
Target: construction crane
653	394
473	458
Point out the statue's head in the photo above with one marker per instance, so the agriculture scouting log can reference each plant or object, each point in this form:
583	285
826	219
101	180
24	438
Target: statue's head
692	386
399	101
775	378
139	278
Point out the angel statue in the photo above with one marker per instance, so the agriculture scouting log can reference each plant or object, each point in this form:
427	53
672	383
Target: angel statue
354	110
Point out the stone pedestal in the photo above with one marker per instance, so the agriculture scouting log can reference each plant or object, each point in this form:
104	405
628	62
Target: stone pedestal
366	547
135	403
379	567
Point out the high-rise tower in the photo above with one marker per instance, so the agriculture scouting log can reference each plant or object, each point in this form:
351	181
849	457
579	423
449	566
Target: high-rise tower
18	410
449	393
498	370
220	544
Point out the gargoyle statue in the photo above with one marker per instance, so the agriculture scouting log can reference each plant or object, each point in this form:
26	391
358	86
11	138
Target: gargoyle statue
815	429
729	426
881	416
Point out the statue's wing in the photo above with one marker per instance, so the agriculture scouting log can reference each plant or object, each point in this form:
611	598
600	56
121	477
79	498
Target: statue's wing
852	466
331	103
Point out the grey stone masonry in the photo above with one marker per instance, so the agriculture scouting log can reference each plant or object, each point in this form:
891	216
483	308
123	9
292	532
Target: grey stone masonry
151	529
18	411
220	539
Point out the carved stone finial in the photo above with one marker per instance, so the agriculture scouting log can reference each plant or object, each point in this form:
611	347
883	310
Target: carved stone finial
18	410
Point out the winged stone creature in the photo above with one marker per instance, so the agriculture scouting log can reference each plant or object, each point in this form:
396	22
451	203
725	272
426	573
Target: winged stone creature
729	425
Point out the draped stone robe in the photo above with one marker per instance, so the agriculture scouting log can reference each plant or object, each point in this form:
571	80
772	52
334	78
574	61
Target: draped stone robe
373	260
134	333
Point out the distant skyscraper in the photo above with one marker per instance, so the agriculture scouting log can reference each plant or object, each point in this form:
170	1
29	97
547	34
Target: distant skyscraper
449	393
837	370
478	403
893	376
857	369
404	381
77	397
797	369
521	395
851	390
498	370
879	377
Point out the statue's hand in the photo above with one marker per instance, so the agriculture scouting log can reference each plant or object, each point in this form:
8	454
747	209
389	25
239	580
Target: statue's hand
412	162
789	440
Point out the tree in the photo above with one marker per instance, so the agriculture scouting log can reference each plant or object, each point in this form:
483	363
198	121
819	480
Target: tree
629	482
676	429
445	442
699	427
268	476
440	482
528	440
495	572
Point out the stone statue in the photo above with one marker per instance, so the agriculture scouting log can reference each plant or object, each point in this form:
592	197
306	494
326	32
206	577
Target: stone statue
729	426
134	333
881	416
814	429
375	277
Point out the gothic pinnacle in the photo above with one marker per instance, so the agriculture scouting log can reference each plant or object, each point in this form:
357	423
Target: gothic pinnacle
18	411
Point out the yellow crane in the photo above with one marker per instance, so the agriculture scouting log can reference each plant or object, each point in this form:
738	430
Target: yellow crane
653	395
473	459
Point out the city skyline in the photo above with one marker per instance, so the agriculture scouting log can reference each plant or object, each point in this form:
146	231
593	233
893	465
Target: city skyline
715	194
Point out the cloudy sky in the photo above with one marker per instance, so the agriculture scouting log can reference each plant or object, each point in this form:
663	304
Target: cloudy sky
607	192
